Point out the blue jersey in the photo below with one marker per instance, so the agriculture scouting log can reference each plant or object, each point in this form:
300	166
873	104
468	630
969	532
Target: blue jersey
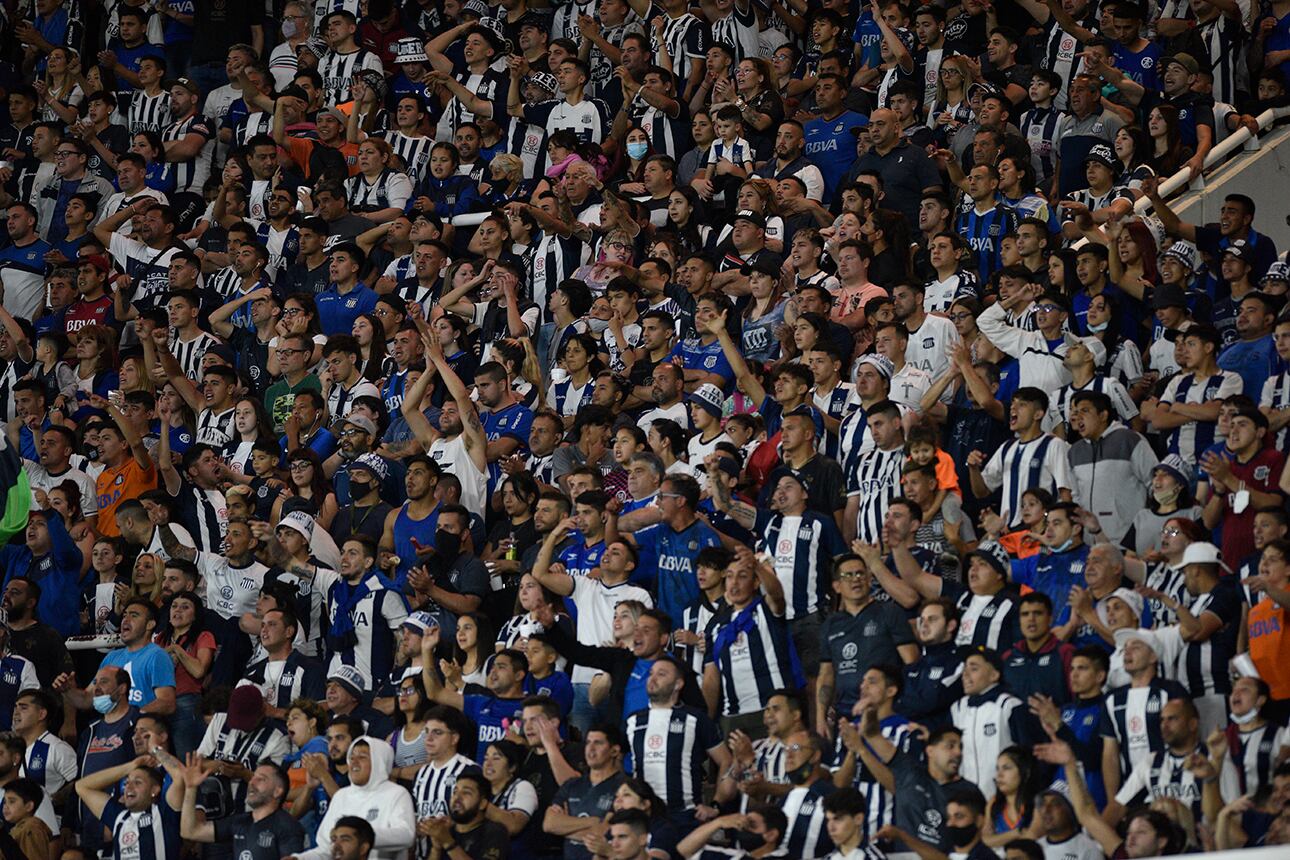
868	38
578	558
711	358
676	585
1053	573
1254	361
556	686
514	421
149	668
984	232
1141	66
492	716
405	529
831	146
336	313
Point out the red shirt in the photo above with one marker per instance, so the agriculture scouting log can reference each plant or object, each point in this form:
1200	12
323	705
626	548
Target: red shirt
1262	472
81	313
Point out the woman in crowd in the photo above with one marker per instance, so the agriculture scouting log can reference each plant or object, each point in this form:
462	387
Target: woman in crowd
191	647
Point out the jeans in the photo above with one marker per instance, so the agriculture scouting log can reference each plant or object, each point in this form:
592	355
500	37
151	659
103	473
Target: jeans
187	726
208	76
584	715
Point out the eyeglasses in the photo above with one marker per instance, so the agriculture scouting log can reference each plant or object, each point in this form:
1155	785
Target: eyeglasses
351	432
960	317
851	574
1172	531
947	72
670	496
1047	308
64	153
290	312
408	691
289	351
300	466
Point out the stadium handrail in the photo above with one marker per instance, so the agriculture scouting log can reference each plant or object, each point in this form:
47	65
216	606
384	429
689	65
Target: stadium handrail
1181	181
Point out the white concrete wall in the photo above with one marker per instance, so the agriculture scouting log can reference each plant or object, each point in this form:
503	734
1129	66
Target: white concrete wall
1263	175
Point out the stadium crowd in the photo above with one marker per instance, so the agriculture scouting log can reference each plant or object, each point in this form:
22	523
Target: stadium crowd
627	429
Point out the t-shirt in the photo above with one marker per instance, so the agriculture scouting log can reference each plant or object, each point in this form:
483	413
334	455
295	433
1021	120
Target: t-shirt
492	715
149	668
278	835
115	484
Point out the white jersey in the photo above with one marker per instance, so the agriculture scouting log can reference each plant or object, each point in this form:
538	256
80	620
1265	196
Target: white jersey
596	603
454	459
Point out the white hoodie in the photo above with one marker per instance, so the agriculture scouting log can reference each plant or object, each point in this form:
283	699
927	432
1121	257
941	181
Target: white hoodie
385	805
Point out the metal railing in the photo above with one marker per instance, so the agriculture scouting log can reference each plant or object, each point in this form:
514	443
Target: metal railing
1180	182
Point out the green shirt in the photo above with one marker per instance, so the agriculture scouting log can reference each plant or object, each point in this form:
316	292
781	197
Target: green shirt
281	396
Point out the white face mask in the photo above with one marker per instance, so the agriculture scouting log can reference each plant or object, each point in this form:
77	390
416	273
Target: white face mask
288	29
1248	717
1097	328
597	326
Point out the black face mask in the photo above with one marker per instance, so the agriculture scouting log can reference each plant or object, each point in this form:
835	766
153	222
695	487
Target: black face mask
801	774
960	836
747	840
358	489
447	544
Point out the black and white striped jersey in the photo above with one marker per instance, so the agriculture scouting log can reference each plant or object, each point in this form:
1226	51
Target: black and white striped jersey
338	71
148	112
191	174
189	352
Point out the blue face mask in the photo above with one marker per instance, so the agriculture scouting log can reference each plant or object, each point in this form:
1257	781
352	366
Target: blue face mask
1097	328
102	704
1067	544
637	150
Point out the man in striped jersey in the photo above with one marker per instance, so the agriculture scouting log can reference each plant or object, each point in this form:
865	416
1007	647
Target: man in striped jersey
874	478
1188	409
685	40
670	744
749	652
1030	459
432	789
803	806
1130	727
188	343
1169	772
344	58
878	691
142	822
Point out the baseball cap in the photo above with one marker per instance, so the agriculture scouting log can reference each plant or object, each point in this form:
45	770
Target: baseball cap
1095	346
710	398
1187	61
1131	599
372	463
351	678
362	422
754	218
298	521
1101	154
1203	553
1168	296
764	264
187	83
420	621
335	113
98	261
985	88
1124	636
478	8
1241	250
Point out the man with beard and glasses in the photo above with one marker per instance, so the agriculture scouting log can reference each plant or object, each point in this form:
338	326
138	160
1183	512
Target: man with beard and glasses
265	832
467	830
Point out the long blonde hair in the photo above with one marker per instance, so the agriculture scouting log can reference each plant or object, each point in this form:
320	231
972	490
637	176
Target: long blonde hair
965	73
